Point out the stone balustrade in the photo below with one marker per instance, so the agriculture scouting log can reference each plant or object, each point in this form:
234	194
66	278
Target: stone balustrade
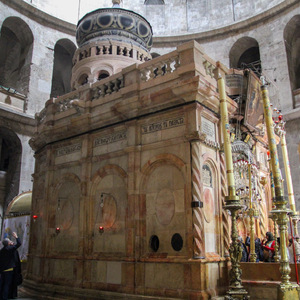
101	89
105	49
162	67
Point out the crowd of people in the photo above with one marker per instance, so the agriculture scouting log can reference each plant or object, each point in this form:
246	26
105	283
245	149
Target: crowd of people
265	249
10	268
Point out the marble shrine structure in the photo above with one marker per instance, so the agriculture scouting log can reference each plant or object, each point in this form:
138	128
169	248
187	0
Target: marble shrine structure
112	150
130	178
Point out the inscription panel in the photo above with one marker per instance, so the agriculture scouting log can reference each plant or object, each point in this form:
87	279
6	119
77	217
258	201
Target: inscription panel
68	153
162	125
68	149
208	128
111	138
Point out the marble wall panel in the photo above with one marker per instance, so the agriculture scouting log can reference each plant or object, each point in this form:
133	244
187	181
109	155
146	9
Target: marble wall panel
109	204
114	272
164	275
63	269
98	271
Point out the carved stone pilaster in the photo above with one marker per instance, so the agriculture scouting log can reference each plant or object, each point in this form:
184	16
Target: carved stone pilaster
198	218
225	217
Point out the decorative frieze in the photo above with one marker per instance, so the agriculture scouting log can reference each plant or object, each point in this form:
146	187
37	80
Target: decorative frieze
68	149
111	138
164	124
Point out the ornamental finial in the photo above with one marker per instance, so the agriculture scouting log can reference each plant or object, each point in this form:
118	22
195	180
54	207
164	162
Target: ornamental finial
116	3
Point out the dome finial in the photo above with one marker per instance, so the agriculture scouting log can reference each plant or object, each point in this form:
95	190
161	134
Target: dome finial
116	3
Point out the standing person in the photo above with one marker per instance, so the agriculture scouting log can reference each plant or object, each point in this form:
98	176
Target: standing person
7	265
258	248
244	257
297	247
268	244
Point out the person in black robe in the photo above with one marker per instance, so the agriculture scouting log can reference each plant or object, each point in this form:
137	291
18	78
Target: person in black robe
8	264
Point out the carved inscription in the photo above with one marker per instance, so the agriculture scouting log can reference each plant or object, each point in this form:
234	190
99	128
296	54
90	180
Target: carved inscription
68	149
112	138
165	124
208	128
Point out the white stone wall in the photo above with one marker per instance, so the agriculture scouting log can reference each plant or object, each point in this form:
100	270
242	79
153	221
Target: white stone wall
175	17
44	40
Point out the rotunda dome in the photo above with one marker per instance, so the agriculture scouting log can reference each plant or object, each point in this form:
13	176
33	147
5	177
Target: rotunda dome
116	24
109	39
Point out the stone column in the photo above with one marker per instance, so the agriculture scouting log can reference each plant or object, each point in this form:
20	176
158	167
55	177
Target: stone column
225	216
198	218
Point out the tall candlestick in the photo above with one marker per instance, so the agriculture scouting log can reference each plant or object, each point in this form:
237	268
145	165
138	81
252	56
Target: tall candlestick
236	290
251	213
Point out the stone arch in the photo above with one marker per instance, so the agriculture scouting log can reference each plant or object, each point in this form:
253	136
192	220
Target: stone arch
62	68
163	199
245	54
212	204
16	43
77	78
10	167
104	69
292	45
108	208
158	160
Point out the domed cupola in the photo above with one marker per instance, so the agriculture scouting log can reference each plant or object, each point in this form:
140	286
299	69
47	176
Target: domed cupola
109	40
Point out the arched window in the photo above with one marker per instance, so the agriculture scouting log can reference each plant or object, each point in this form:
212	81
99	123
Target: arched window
83	79
154	2
16	41
103	74
62	68
244	54
292	46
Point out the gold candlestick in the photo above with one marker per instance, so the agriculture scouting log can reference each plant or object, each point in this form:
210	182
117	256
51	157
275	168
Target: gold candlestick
289	183
286	288
273	216
236	290
251	214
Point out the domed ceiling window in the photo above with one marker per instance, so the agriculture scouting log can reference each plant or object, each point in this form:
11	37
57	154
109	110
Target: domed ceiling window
16	42
62	70
292	46
154	2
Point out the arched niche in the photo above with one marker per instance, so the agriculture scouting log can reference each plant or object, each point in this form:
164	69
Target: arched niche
162	194
65	214
245	54
292	46
211	205
10	167
108	210
16	43
62	68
